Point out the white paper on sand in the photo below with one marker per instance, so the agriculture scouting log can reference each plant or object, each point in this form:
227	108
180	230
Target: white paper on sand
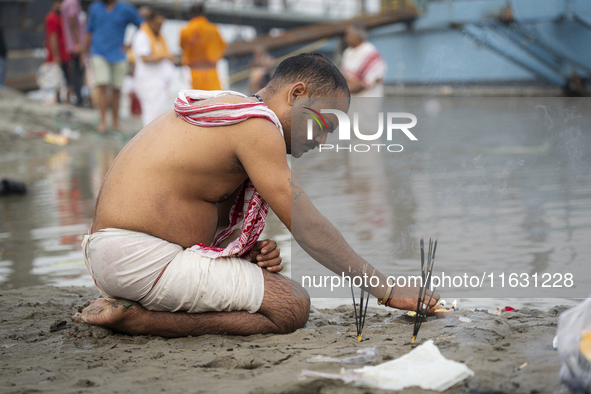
424	367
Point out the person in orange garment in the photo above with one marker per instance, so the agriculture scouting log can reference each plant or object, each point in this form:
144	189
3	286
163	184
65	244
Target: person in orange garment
202	48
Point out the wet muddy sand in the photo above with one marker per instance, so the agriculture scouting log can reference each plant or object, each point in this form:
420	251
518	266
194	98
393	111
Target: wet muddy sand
37	353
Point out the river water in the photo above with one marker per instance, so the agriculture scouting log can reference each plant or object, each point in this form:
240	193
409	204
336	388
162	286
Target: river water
504	183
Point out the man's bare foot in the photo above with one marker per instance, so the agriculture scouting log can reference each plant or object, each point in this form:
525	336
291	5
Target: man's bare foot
82	330
101	128
116	315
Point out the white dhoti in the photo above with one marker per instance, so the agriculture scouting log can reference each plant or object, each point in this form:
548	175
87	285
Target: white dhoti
154	99
163	276
152	80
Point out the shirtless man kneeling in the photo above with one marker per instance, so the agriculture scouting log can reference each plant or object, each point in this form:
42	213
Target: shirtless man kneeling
160	218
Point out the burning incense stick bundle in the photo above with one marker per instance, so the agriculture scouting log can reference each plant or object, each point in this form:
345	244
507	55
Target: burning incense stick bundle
360	317
354	306
426	272
366	302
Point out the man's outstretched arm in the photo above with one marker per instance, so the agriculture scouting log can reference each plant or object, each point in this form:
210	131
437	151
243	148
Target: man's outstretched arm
262	153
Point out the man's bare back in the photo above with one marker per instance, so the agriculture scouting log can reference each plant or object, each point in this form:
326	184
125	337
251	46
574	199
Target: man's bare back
174	180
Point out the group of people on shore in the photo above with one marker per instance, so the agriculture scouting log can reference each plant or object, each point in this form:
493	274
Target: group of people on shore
95	46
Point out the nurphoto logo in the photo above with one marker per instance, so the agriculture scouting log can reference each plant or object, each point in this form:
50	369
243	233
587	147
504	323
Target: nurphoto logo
345	130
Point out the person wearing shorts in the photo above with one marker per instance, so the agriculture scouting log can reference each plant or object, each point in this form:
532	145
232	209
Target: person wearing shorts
107	21
108	74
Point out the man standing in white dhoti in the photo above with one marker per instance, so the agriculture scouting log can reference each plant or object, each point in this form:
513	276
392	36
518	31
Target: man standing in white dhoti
154	68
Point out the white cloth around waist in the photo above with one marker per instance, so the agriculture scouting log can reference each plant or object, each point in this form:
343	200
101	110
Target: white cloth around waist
163	276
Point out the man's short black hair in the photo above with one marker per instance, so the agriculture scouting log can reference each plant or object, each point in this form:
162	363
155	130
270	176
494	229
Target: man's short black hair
321	76
196	10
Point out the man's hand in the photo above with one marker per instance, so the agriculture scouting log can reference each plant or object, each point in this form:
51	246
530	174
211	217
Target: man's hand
406	298
265	254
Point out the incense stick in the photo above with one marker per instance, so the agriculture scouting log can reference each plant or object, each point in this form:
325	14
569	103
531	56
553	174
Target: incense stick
360	318
367	301
361	302
418	314
414	332
431	273
362	313
354	307
429	282
422	243
432	263
426	276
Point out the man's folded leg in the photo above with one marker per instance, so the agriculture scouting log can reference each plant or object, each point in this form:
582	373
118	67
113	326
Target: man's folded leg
194	283
285	308
183	293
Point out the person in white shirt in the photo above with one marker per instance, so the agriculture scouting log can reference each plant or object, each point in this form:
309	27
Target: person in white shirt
154	68
362	65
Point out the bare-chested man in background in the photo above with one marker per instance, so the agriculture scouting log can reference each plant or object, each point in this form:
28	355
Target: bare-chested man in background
172	187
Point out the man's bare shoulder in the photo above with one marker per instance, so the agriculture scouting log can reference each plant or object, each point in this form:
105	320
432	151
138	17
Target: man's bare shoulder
254	134
259	132
254	128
